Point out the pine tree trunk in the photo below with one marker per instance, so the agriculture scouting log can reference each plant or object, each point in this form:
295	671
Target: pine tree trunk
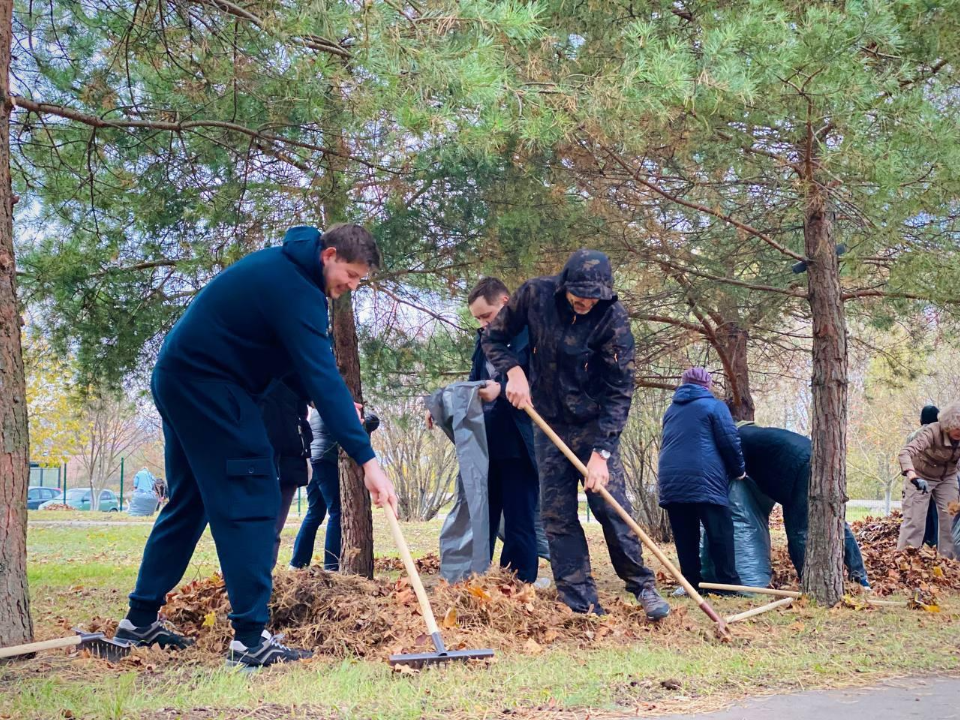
823	568
735	341
15	624
356	517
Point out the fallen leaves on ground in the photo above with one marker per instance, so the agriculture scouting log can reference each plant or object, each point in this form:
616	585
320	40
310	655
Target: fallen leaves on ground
347	616
920	572
429	564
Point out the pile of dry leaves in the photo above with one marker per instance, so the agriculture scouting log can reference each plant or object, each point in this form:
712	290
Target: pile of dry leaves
429	564
890	570
341	615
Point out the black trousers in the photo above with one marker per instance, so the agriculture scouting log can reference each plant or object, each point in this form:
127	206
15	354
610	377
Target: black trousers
220	469
559	509
513	490
685	519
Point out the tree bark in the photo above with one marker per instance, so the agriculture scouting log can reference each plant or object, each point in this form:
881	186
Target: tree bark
15	624
735	341
356	519
823	569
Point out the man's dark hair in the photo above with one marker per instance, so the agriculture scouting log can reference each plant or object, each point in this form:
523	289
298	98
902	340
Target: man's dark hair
353	243
490	289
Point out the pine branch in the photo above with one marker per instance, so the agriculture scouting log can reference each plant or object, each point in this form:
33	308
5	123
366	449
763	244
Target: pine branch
312	42
749	229
180	126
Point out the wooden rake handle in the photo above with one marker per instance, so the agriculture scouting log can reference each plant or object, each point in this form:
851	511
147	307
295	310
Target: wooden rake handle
638	531
411	568
16	650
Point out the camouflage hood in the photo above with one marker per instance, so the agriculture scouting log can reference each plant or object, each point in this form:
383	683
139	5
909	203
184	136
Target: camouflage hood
587	274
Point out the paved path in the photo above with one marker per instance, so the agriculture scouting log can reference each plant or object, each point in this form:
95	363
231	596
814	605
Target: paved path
929	699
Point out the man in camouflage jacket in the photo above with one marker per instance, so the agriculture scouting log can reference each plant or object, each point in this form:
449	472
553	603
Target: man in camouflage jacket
581	382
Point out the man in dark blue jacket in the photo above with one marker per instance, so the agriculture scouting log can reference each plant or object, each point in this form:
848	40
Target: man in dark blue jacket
581	371
263	318
512	482
699	455
778	461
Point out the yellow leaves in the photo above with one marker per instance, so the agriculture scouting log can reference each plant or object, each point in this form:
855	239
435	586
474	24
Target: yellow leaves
450	618
479	593
56	424
938	572
210	619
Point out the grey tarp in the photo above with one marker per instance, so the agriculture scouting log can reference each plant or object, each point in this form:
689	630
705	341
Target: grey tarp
465	536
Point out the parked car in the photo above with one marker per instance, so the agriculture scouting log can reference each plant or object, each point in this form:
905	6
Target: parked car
36	495
79	499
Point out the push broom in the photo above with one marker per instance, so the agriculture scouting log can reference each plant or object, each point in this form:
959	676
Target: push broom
441	654
721	624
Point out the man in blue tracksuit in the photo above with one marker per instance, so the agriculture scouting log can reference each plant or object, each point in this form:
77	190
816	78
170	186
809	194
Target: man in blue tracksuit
262	319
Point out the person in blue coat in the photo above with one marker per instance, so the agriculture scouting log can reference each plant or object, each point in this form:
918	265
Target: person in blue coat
262	319
699	454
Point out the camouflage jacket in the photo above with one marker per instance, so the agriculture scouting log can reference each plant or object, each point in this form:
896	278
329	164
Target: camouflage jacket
581	366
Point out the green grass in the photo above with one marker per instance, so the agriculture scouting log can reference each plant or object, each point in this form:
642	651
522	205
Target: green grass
83	572
825	652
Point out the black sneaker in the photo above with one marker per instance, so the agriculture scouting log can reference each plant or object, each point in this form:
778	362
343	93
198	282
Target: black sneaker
654	605
157	633
269	652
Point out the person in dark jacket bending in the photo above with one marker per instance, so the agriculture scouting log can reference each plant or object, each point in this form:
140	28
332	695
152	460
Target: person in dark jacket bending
581	370
285	417
323	495
778	461
262	319
699	455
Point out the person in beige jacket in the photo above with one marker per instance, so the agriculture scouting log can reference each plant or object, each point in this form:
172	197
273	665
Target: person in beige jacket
929	464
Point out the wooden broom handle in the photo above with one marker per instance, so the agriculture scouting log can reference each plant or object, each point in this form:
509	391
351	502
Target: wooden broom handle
411	571
16	650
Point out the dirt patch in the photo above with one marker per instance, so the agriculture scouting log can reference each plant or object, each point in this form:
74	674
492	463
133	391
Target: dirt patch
261	711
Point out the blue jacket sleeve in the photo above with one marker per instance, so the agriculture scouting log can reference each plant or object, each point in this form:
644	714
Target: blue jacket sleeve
510	321
302	331
727	439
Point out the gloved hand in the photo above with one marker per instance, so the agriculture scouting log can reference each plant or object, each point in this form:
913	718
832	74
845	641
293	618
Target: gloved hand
921	485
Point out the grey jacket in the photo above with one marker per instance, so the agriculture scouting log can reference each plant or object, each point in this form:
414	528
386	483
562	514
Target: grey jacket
324	446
